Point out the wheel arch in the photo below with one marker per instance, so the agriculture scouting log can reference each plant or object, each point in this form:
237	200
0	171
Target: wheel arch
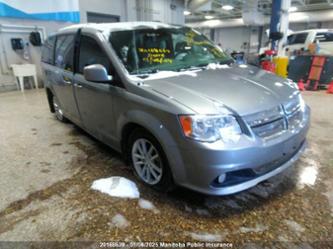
140	119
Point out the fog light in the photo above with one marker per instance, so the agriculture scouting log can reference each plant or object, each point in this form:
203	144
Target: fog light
221	178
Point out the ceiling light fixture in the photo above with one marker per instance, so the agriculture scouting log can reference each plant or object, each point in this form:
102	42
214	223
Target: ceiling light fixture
187	13
293	9
209	17
227	7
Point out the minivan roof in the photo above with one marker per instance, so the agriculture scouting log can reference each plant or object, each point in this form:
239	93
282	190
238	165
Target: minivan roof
110	27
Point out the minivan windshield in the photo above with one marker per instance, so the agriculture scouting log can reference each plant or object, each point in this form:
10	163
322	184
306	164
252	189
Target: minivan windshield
145	51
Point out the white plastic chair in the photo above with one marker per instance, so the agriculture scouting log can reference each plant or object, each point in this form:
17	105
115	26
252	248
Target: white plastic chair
24	70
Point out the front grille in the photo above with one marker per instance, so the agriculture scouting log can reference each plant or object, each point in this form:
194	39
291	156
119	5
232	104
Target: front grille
274	121
264	117
267	123
271	129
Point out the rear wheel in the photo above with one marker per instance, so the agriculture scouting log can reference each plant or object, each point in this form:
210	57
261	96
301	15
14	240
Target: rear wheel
149	161
57	110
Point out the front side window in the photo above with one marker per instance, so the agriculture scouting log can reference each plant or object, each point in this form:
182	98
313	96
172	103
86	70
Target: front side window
150	50
92	53
48	50
64	52
299	38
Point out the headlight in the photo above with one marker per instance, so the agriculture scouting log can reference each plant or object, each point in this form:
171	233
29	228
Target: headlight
210	128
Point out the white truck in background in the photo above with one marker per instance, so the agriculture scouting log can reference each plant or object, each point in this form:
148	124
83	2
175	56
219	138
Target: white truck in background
302	39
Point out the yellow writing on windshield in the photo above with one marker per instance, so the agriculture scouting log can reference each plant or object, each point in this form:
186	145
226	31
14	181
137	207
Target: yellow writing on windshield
154	50
156	55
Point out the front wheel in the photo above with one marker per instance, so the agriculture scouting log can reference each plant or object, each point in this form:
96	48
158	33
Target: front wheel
149	161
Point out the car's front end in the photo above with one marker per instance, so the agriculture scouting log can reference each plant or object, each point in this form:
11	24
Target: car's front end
269	142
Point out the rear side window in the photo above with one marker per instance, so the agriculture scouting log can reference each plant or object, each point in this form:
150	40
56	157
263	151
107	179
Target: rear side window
64	52
324	37
92	53
299	38
48	50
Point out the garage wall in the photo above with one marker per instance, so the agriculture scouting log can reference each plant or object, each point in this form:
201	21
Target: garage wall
232	38
167	11
109	7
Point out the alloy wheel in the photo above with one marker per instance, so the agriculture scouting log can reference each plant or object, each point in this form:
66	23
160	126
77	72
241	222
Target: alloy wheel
147	161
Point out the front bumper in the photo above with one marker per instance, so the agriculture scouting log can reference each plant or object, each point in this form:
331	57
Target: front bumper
252	162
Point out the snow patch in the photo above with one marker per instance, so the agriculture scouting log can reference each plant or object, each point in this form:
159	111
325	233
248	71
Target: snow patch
106	28
294	226
164	74
282	238
169	74
206	236
116	186
257	229
214	66
119	221
309	173
145	204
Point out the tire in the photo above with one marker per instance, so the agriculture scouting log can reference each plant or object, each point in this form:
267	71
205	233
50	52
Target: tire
58	110
157	173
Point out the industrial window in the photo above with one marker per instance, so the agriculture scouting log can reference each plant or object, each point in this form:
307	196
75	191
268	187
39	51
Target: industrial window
64	52
324	37
48	50
299	38
92	53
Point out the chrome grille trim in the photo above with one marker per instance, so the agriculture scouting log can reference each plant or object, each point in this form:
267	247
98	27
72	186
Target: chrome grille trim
272	122
271	129
268	123
264	117
292	106
295	120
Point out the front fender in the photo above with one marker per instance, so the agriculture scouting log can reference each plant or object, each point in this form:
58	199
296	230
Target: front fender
161	131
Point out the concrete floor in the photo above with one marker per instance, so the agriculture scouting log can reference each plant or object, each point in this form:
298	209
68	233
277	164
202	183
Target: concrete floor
47	168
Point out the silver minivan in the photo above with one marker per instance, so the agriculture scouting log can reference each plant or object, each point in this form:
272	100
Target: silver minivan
175	105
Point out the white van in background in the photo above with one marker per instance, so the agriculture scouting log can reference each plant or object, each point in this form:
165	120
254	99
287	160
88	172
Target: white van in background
302	39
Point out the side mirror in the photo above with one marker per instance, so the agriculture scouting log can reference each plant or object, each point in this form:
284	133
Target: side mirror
96	73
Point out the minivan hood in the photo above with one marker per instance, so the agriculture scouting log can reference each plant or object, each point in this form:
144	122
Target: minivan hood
243	90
